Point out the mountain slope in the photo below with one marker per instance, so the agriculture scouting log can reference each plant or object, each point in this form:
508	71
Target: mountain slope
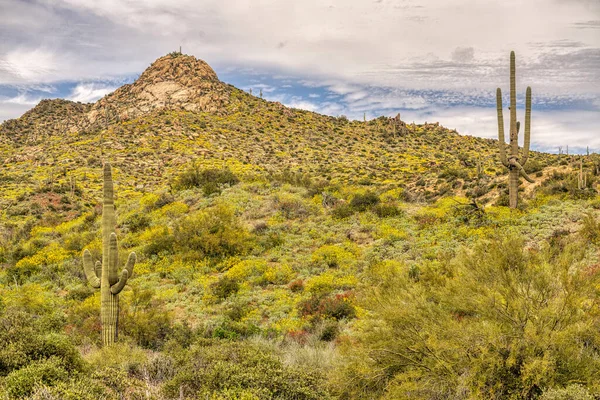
178	111
288	254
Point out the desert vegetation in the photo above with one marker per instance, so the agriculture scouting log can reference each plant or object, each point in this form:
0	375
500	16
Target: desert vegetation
283	254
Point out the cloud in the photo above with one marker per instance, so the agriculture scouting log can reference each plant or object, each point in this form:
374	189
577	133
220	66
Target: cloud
20	65
463	54
23	99
90	92
371	57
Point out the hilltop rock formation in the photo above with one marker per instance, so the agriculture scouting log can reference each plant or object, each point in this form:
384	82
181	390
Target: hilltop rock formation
173	82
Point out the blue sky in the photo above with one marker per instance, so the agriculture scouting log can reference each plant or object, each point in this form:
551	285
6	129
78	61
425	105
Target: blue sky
430	60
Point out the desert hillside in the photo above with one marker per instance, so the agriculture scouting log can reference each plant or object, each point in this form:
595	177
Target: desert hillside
285	254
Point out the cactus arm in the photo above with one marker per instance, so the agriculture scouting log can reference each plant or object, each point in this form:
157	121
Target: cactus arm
90	274
125	275
521	170
501	141
117	287
518	126
98	269
527	138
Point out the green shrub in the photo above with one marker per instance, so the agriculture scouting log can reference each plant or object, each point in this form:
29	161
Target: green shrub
362	202
21	383
505	321
27	338
386	210
342	211
145	319
138	221
590	228
214	232
571	392
321	307
225	287
210	180
232	368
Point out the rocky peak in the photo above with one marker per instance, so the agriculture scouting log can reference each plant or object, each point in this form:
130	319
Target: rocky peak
177	67
174	82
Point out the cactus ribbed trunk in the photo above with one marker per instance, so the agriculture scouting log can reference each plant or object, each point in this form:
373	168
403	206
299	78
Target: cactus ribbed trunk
513	161
109	303
104	275
109	315
513	188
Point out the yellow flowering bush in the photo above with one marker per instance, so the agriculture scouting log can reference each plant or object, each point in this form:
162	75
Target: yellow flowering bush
278	274
247	269
332	256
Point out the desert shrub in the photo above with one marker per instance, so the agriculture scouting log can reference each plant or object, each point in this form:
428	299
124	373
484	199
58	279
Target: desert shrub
21	383
78	387
137	221
225	287
157	240
325	306
571	392
278	274
533	166
452	173
214	232
144	319
328	330
387	210
342	211
210	180
296	285
470	213
332	256
113	363
505	323
295	178
566	185
590	228
28	337
362	202
51	256
240	370
502	200
290	207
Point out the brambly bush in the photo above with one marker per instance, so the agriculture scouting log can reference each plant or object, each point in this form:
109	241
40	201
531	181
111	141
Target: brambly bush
240	370
508	322
209	180
214	232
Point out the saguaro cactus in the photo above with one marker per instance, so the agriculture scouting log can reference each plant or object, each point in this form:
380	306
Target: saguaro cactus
104	275
581	177
513	161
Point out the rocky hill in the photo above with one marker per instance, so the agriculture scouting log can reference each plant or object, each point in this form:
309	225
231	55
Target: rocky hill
179	111
290	255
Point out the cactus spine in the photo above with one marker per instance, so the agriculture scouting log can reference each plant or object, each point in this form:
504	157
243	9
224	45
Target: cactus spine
104	274
513	161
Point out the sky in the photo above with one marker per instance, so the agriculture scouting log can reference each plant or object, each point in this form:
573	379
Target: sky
429	60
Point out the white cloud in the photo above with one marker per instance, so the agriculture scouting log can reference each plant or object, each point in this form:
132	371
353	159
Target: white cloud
459	47
90	92
11	110
23	99
549	129
22	65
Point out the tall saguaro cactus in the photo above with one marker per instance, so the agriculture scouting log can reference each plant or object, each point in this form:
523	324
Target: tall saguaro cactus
105	275
513	161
